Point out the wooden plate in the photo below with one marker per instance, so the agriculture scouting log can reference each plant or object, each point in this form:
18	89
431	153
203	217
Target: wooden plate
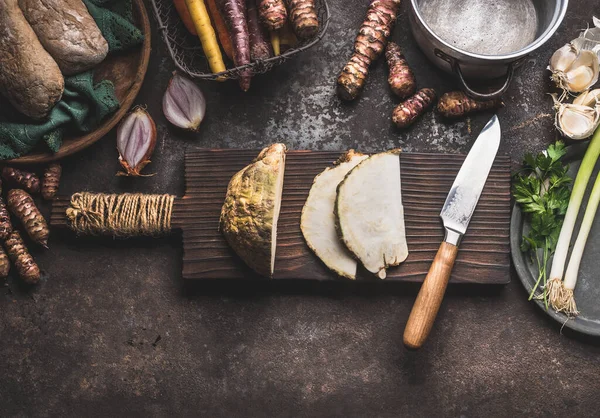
587	291
127	72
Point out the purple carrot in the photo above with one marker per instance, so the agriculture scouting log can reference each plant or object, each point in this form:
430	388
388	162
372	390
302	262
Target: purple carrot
234	14
260	47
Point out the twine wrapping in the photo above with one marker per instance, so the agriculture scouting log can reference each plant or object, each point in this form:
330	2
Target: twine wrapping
120	215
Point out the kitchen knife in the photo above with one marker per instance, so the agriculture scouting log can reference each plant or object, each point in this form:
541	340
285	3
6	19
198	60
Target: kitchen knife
456	215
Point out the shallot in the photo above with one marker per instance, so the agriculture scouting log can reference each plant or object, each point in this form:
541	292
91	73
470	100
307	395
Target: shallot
136	138
183	103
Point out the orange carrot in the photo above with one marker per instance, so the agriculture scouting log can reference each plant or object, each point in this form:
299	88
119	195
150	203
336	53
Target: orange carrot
220	27
184	14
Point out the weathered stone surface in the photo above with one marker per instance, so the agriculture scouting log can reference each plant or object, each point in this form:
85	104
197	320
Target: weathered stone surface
113	330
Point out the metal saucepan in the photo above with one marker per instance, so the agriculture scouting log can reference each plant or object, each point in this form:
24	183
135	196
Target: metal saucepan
483	39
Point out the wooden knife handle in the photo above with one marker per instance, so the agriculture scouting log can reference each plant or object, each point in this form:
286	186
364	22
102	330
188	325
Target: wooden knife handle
430	297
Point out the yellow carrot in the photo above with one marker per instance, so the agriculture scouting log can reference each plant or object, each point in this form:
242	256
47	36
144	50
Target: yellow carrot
206	33
275	42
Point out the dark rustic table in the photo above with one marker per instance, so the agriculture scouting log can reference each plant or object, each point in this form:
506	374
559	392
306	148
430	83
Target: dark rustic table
114	331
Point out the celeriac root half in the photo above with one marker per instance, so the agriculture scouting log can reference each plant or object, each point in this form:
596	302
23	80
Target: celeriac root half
251	209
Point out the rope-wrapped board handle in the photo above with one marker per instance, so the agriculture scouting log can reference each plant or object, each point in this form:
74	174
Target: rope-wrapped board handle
120	215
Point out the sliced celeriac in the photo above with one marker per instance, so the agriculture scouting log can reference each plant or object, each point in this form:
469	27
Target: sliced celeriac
318	219
370	215
251	209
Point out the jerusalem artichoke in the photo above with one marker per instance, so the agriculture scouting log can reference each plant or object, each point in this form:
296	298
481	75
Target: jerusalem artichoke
401	78
456	104
4	264
23	207
23	179
5	224
413	107
272	13
368	46
51	181
23	261
303	17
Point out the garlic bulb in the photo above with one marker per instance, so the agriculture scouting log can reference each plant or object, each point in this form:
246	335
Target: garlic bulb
573	69
576	121
575	65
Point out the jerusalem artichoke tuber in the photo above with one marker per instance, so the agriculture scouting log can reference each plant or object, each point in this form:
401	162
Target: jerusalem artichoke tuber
51	181
272	13
23	207
456	104
23	179
4	264
303	17
5	224
368	46
23	261
413	107
401	78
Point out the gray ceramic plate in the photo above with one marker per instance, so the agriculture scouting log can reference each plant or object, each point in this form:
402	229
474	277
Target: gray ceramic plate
587	292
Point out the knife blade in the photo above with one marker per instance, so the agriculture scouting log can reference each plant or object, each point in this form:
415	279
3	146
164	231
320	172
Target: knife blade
468	185
456	215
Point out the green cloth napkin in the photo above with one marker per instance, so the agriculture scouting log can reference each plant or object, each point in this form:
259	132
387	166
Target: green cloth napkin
84	104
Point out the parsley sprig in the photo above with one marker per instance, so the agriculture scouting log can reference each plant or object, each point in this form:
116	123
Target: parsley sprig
542	190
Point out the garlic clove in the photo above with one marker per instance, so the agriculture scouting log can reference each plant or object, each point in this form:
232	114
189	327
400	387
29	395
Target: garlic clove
183	103
576	121
136	138
580	79
588	98
562	59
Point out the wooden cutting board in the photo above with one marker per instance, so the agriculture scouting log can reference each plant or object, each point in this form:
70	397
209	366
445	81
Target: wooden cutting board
426	179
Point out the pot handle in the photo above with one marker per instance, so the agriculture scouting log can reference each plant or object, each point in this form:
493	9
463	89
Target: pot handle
472	93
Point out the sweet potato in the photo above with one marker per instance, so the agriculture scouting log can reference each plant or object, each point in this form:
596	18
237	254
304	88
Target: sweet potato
29	77
68	32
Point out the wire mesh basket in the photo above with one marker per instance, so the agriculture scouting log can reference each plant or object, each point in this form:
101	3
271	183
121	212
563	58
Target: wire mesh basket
186	51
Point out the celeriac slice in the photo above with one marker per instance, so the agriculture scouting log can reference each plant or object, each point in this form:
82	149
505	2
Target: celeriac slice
318	219
370	215
251	209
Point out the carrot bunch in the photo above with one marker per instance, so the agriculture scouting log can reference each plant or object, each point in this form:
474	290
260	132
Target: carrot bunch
247	30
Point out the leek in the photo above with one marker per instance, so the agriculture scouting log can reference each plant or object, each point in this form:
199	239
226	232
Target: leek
573	267
561	296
